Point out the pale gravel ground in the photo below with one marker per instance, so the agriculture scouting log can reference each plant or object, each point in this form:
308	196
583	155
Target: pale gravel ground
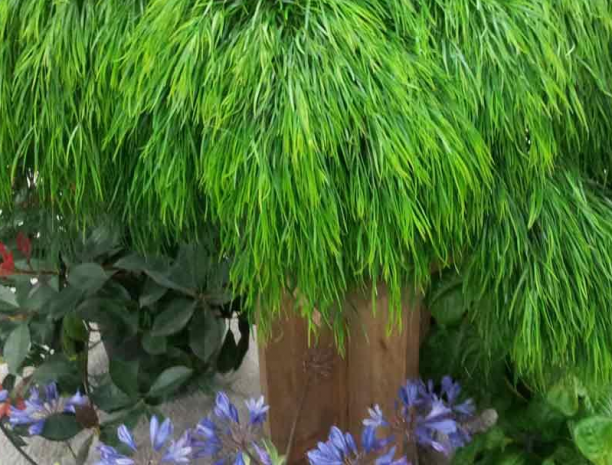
185	412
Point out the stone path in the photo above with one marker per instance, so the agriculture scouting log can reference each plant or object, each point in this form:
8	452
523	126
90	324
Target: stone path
184	413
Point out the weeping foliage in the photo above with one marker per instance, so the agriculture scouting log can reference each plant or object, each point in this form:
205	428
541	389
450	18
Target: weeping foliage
540	276
334	142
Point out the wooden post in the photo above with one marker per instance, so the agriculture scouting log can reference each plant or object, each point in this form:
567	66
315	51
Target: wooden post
378	362
371	373
284	380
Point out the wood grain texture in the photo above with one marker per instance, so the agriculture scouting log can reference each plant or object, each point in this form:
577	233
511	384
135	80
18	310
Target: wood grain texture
379	362
375	366
283	380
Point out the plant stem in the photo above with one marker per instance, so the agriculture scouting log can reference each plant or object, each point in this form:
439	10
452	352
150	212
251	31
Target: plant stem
23	453
74	456
251	456
298	414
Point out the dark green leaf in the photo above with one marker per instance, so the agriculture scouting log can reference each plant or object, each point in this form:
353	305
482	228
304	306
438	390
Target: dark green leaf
163	279
205	334
8	298
154	345
132	262
57	369
74	328
109	397
125	375
64	302
22	292
129	418
151	293
113	290
40	295
544	418
448	309
16	347
108	314
174	318
61	427
103	240
88	277
170	380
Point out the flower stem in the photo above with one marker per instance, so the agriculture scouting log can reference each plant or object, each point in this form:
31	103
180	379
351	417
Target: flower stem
298	414
23	453
252	457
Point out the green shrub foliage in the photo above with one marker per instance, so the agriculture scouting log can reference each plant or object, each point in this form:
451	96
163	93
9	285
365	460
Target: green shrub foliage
334	142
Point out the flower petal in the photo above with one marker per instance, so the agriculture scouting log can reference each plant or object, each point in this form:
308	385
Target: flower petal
165	430
36	428
125	437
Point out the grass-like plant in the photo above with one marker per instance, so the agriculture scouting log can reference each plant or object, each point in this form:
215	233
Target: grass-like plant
336	142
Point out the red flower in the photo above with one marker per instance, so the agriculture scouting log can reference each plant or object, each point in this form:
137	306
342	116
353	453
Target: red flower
7	267
24	245
5	407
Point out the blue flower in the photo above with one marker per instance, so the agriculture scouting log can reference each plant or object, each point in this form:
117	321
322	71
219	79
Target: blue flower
207	443
224	409
257	411
158	434
178	452
125	437
222	439
340	448
109	456
414	394
3	395
263	455
389	459
452	391
42	404
376	419
438	421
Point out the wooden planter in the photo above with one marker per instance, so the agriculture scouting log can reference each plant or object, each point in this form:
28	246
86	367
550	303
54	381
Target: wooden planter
374	367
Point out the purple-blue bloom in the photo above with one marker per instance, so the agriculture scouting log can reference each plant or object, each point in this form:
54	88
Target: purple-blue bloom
3	395
340	448
452	390
43	403
223	439
434	420
206	441
376	418
389	459
224	409
262	454
257	410
178	452
439	420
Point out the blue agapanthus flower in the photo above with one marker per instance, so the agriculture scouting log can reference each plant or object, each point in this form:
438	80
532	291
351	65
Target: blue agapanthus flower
452	391
435	420
223	439
341	449
258	411
376	419
155	453
431	428
3	395
43	403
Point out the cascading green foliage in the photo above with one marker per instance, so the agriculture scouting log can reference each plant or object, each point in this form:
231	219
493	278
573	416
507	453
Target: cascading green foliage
334	142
